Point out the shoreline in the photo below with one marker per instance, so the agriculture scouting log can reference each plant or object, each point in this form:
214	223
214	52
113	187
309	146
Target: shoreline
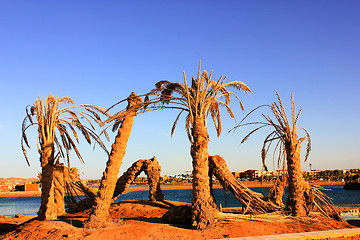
133	219
167	186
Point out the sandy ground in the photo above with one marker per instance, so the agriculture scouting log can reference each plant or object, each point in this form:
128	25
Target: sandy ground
144	220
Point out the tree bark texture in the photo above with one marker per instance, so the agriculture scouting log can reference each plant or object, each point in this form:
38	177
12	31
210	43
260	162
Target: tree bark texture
296	200
47	153
203	210
150	167
277	191
128	177
152	170
59	190
48	209
99	214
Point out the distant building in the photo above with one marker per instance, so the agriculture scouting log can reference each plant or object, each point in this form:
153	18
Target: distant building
6	188
236	174
312	172
31	187
27	187
251	173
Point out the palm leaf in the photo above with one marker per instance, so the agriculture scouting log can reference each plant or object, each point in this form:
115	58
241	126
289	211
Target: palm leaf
116	125
175	123
52	117
250	133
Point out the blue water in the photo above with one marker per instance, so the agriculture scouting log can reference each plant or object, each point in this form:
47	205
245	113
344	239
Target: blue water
19	205
30	205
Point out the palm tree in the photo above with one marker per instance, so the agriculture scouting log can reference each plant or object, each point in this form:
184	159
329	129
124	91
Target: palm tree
57	127
203	98
123	121
288	144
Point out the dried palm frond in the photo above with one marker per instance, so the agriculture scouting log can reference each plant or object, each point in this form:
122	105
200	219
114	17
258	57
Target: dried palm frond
252	202
73	200
285	134
55	125
322	203
283	131
202	98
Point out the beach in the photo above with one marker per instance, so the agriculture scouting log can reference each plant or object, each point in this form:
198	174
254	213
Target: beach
144	220
139	219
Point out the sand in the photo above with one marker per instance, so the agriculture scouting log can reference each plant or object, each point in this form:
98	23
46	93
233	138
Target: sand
143	220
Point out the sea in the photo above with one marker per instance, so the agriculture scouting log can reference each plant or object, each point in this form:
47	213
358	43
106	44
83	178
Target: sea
10	206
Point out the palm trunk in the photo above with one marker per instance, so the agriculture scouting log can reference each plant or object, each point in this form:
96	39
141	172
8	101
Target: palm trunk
99	215
59	188
277	191
202	203
48	209
152	171
297	186
150	167
128	177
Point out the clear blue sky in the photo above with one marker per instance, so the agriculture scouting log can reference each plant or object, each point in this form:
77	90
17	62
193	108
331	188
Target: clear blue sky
98	52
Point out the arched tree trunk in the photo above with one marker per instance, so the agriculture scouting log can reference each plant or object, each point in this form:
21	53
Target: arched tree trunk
150	167
276	192
128	177
296	203
99	215
48	210
203	207
152	170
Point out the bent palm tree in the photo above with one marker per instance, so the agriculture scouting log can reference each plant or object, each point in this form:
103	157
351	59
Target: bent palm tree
150	167
252	202
288	144
203	98
57	127
99	215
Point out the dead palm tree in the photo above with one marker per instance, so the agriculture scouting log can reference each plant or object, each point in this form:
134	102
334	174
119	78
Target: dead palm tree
57	127
202	98
122	121
287	142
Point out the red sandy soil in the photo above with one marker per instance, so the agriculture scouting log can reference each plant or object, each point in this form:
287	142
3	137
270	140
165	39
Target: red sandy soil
143	220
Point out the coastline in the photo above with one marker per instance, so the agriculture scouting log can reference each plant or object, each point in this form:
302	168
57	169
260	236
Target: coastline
168	186
138	219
